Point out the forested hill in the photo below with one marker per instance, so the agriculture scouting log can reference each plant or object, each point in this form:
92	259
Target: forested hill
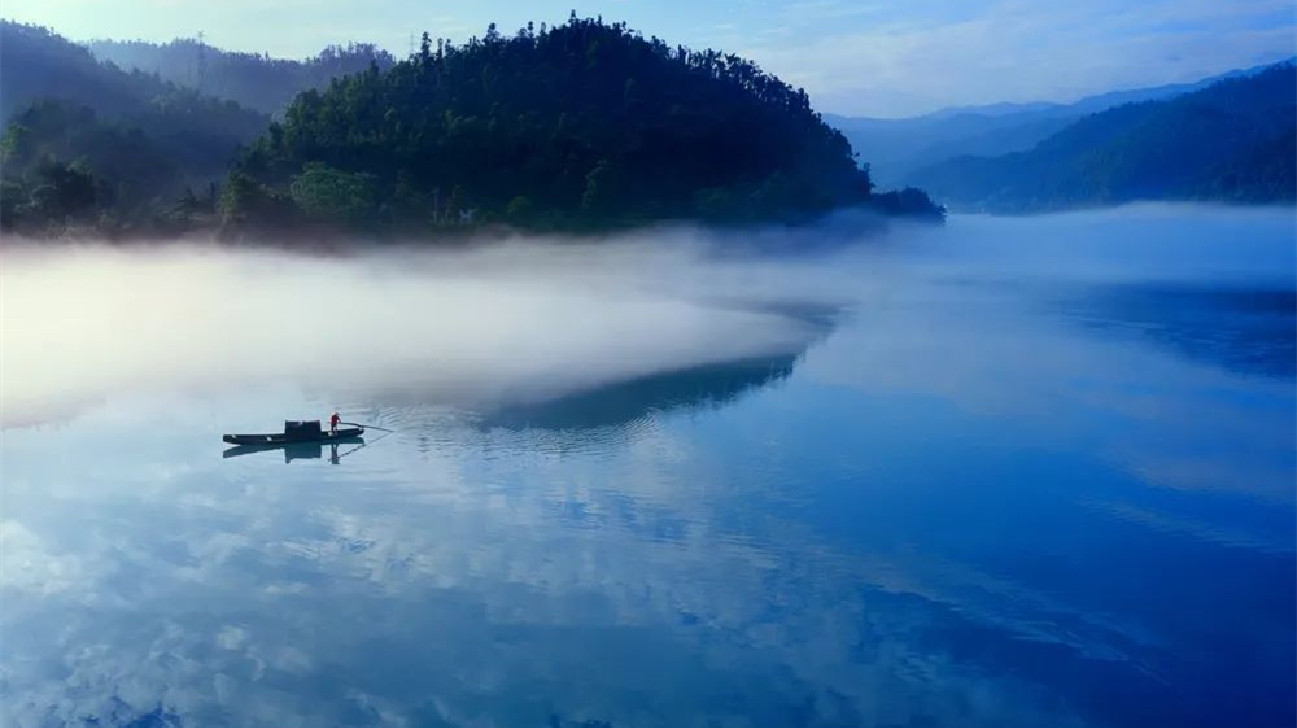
576	126
85	142
253	80
1234	141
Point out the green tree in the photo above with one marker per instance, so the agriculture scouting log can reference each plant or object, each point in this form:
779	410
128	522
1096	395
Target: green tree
63	192
521	210
325	193
247	203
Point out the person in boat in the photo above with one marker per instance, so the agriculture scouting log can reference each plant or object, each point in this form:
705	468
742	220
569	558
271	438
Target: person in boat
333	423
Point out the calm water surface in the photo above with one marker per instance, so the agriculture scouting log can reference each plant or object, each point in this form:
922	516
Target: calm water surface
1040	473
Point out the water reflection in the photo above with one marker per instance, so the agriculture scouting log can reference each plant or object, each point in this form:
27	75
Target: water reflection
301	450
615	588
1246	329
626	402
940	516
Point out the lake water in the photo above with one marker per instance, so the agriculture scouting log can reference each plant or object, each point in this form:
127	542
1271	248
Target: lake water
1020	472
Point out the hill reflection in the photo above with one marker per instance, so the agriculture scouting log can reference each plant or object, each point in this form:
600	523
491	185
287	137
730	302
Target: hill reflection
703	387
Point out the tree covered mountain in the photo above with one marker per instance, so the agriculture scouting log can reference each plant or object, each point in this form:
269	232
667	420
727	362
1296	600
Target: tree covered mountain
1232	141
583	126
87	141
580	125
253	80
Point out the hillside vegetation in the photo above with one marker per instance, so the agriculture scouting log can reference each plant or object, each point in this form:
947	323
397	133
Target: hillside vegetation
585	125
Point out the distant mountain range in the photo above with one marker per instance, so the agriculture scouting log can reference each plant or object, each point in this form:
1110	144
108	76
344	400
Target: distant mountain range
897	148
82	136
1232	140
253	80
40	70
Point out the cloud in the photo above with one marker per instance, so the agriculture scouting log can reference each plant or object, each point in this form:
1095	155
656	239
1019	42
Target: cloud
935	56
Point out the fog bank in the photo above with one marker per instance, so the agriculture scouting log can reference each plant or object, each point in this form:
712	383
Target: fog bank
511	322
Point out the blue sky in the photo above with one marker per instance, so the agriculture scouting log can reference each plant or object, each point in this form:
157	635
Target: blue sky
862	57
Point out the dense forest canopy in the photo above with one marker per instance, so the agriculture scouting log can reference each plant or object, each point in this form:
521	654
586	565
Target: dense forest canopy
581	125
253	80
64	163
1233	141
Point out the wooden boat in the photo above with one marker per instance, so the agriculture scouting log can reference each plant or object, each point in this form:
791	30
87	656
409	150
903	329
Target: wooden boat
296	431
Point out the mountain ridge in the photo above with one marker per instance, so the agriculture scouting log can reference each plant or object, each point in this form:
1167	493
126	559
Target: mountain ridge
255	81
1226	142
898	147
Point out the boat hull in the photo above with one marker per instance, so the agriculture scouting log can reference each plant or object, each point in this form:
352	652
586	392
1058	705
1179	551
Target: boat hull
295	450
279	438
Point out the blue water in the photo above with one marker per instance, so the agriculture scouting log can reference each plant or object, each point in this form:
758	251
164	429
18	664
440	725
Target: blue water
1040	473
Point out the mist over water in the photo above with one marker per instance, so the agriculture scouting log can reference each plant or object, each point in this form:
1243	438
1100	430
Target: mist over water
520	321
1007	472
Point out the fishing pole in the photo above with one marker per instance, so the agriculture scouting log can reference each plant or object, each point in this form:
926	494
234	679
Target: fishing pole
367	426
338	456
